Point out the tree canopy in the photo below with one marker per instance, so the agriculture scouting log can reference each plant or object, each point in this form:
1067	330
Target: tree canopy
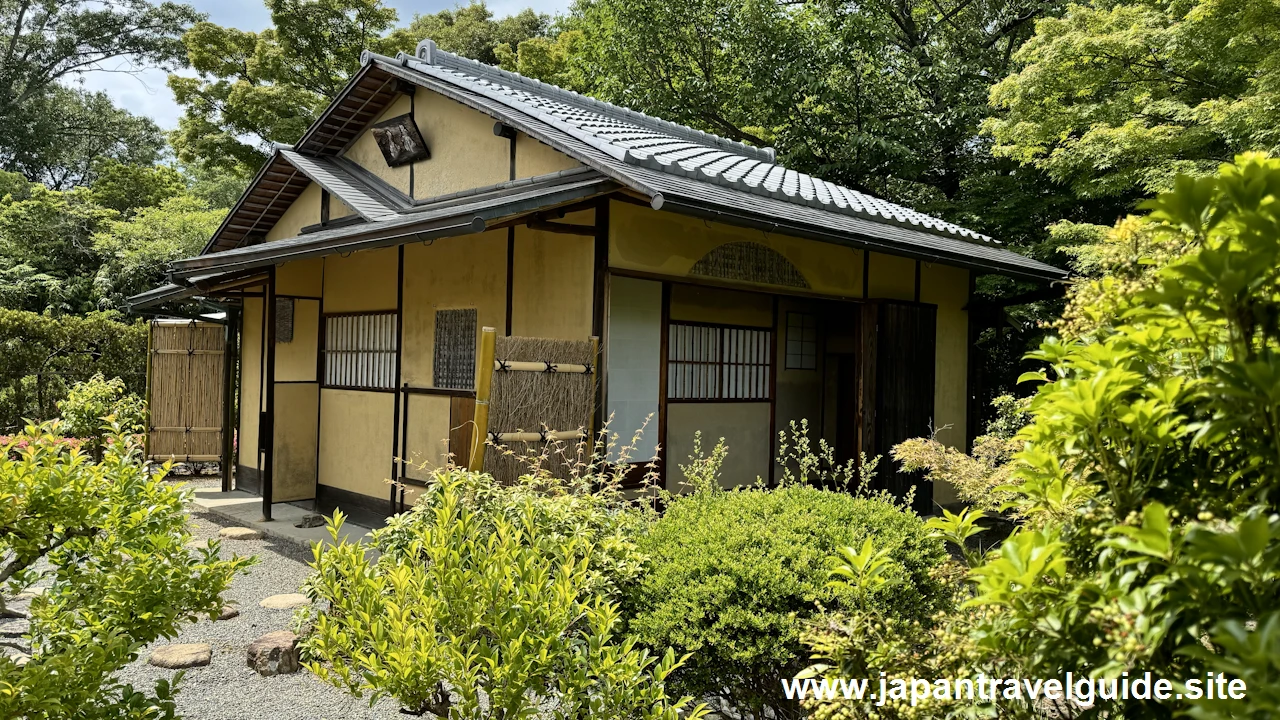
258	88
52	132
1115	98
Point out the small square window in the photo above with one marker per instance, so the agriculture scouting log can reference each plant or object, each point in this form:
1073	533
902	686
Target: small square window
802	341
454	367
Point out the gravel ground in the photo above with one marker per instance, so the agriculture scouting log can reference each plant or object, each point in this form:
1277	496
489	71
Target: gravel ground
227	689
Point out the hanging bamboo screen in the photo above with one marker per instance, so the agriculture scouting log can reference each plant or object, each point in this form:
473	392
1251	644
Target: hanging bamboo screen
538	401
185	391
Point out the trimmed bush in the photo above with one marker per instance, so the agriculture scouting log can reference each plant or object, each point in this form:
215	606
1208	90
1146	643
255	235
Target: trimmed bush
488	602
732	577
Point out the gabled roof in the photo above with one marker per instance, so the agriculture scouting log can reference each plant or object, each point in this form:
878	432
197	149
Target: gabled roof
677	168
641	140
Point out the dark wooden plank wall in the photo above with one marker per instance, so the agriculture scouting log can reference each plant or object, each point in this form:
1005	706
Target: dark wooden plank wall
904	383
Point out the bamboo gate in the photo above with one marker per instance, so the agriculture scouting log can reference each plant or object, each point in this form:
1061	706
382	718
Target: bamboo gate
186	385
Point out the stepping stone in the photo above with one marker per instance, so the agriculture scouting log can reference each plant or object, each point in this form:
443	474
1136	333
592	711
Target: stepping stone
228	612
287	601
182	655
30	593
275	653
240	533
310	521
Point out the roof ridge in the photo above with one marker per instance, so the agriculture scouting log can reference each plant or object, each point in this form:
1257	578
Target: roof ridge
428	52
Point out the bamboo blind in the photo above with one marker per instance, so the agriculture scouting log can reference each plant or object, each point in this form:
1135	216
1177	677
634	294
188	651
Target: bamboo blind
185	395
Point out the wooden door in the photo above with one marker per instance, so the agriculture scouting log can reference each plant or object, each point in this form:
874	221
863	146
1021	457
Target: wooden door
900	389
184	391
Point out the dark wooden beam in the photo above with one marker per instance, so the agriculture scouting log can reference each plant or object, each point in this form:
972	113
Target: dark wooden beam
562	228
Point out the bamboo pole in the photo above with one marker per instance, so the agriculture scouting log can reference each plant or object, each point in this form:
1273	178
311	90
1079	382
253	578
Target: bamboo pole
484	384
509	437
540	366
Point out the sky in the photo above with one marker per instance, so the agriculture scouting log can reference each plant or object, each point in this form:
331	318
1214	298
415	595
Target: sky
145	92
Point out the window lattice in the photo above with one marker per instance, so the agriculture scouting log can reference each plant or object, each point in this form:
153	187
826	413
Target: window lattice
713	362
360	351
802	341
455	349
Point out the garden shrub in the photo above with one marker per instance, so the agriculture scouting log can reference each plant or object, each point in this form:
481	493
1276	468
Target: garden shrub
732	576
1148	481
108	540
42	357
96	404
488	602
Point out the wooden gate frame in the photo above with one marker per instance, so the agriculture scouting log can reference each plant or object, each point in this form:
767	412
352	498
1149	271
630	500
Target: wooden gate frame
224	399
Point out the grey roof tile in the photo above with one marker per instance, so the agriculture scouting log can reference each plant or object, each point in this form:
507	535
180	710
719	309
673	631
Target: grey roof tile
641	139
347	187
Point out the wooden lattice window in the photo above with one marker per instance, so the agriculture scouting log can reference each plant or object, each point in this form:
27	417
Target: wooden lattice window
454	366
718	362
802	341
360	351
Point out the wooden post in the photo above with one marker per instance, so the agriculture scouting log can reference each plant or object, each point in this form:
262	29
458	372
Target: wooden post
146	440
593	430
229	354
267	426
484	384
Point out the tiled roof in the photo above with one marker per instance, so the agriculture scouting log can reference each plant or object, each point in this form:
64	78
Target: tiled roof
341	183
641	140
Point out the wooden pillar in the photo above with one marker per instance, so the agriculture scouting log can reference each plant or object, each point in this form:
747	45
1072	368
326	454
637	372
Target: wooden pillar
400	396
267	425
230	353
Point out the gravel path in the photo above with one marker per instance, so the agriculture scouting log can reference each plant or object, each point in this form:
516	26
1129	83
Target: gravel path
227	689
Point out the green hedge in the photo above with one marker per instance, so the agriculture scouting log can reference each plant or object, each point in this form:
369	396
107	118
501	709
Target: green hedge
41	357
733	576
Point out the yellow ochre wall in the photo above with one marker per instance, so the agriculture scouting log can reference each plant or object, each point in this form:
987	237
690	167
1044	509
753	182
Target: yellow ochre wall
301	277
427	435
250	380
450	273
948	288
293	474
646	240
365	153
361	282
890	276
536	158
306	211
552	291
356	440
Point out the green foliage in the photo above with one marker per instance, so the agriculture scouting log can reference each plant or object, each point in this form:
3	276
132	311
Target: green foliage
1149	478
108	541
470	30
41	357
54	133
97	405
485	603
979	477
1117	97
125	188
135	252
47	238
256	88
733	576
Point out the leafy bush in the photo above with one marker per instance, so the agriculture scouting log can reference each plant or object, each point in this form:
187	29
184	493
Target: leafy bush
1148	482
109	542
732	577
41	357
98	403
488	602
980	476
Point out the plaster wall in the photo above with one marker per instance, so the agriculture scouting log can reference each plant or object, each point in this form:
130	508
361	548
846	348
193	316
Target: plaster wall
450	273
356	440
